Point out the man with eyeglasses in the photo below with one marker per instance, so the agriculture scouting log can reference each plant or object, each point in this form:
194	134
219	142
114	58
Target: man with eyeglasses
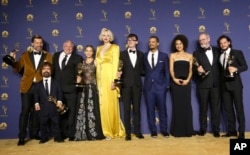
132	85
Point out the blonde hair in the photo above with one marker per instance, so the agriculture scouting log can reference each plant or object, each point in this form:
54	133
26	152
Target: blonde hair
109	32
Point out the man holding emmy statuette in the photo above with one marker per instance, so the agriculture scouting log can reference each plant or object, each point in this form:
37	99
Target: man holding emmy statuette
48	99
131	88
28	66
65	72
232	61
208	83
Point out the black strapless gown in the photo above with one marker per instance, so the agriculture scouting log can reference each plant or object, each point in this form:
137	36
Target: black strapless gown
182	115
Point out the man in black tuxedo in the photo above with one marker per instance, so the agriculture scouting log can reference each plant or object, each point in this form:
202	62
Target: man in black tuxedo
132	85
208	86
46	108
65	65
232	63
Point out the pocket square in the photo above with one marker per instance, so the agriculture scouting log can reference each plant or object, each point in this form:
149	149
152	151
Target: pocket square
161	61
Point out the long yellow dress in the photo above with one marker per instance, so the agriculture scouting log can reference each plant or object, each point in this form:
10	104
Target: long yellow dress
106	72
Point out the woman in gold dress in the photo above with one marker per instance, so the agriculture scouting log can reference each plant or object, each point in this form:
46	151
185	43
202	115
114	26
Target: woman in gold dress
107	59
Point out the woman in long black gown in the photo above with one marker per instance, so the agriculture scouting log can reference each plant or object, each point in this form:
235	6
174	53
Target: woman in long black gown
181	73
88	121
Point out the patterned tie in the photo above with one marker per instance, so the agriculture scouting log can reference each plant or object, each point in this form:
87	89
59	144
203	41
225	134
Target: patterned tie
64	61
46	86
153	61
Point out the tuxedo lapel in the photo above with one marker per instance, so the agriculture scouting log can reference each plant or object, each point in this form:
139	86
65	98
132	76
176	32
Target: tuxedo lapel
128	59
32	59
42	59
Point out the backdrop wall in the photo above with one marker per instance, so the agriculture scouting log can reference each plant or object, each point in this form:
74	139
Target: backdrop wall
82	20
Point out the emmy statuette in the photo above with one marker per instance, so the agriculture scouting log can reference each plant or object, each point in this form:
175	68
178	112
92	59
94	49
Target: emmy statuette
202	74
9	59
79	73
118	81
63	109
230	61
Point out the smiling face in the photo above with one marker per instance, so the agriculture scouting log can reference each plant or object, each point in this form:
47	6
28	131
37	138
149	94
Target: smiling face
89	52
46	71
37	44
224	44
179	45
153	44
204	40
132	42
68	47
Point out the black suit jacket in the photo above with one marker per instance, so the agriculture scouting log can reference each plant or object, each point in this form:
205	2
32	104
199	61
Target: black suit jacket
131	76
213	78
66	76
240	63
41	97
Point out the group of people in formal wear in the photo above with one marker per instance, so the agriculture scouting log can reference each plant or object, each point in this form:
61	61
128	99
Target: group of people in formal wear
89	90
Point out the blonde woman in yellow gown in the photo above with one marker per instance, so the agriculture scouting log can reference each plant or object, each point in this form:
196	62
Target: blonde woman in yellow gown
107	59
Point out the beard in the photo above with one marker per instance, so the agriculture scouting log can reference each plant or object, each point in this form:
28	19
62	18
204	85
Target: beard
46	74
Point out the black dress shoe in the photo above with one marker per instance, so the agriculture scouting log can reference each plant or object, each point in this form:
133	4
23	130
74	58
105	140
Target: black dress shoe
230	134
128	137
21	141
216	134
154	134
36	137
241	136
165	134
42	141
71	138
202	133
140	136
59	140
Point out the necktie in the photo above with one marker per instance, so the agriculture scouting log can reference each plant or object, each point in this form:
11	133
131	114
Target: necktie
64	61
153	61
46	86
130	51
224	60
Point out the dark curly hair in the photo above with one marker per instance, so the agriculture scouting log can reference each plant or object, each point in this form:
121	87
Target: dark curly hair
183	39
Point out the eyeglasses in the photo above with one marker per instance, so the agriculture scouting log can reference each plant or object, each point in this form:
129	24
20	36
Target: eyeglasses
131	40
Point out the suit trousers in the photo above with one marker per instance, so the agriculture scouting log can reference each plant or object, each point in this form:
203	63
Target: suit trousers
209	97
68	119
156	102
132	96
28	115
233	99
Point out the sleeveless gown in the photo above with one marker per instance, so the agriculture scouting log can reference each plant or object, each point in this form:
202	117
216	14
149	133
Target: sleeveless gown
88	121
182	117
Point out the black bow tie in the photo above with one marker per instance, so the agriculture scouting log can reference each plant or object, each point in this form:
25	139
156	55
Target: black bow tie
130	51
39	53
205	49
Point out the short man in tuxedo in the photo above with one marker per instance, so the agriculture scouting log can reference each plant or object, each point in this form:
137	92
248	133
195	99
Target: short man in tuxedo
232	63
156	83
65	71
208	86
131	90
47	108
28	66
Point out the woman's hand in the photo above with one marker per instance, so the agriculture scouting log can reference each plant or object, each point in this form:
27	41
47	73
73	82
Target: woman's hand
78	79
113	86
